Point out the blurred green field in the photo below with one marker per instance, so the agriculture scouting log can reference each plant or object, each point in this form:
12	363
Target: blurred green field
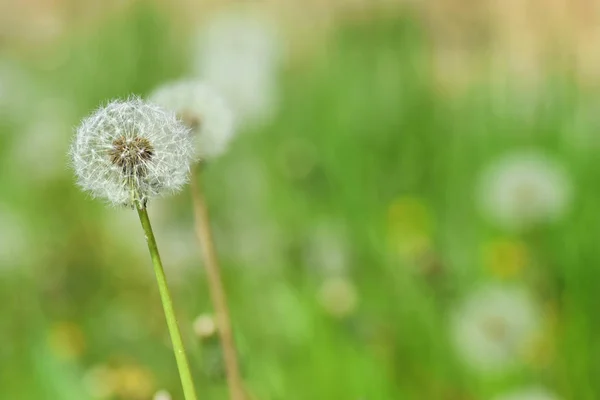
348	226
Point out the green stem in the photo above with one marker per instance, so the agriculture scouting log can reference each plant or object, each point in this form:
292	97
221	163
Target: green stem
182	362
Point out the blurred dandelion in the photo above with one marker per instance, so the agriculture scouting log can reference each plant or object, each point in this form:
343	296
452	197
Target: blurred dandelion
203	110
128	152
530	393
338	297
494	327
205	326
524	189
239	53
162	395
206	115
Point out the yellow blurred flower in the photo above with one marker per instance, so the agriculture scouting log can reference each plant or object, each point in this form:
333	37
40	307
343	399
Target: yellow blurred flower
410	225
133	382
66	340
505	258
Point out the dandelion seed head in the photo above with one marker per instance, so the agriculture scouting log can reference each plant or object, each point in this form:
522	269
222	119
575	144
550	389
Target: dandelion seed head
240	53
529	393
203	110
130	151
524	189
205	326
494	326
162	395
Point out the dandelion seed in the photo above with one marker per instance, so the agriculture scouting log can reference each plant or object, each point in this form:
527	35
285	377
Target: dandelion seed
524	189
494	327
203	110
530	393
130	151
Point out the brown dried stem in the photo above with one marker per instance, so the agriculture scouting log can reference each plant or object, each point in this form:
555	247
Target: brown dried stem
217	292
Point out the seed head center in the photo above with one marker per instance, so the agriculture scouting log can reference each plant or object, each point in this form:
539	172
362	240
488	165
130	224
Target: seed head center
131	154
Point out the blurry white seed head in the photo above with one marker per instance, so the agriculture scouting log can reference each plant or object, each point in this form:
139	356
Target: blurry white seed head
529	393
239	52
338	297
494	326
203	110
162	395
524	189
130	151
205	326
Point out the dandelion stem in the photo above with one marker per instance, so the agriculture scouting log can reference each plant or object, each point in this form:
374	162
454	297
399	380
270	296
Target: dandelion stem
165	296
217	292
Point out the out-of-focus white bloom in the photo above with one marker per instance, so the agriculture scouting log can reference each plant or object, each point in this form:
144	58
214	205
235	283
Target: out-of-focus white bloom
530	393
239	53
162	395
327	249
205	326
203	110
524	189
130	151
494	327
338	297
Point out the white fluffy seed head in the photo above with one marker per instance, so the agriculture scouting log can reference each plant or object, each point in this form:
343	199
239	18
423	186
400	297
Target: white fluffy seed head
524	189
529	393
494	327
203	110
240	53
130	151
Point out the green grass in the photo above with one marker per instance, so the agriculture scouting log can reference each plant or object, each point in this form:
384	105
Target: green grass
367	139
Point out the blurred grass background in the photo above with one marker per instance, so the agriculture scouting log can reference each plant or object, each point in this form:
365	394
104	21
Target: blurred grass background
347	222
